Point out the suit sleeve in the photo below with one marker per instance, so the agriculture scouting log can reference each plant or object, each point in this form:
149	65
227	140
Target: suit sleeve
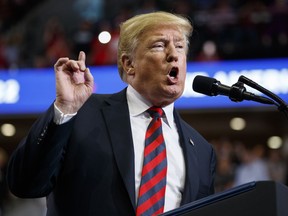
35	164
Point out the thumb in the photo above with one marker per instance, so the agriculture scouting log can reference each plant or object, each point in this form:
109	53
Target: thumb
89	79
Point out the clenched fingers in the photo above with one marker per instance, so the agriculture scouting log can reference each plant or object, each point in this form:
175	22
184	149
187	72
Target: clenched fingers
61	62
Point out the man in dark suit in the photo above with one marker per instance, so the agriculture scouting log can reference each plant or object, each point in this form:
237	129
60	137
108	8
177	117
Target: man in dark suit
86	152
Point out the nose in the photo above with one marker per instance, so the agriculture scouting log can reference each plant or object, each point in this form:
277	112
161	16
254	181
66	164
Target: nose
172	54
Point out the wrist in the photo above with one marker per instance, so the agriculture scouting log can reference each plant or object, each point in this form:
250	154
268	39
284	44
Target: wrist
60	117
65	109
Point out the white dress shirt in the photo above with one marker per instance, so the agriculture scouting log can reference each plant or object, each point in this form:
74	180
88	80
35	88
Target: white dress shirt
176	167
140	119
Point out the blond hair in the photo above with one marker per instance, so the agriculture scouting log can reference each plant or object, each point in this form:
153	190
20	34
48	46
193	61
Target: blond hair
133	28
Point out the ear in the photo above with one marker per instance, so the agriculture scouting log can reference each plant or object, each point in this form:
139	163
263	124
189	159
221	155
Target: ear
127	64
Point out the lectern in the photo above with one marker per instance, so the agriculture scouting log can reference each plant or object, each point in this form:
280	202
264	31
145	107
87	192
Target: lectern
261	198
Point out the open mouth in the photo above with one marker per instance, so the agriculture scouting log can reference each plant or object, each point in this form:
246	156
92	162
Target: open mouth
173	75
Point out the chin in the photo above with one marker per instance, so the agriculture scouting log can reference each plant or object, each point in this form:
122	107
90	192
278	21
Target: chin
175	91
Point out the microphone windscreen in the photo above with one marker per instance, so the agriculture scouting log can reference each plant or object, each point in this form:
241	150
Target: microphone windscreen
204	85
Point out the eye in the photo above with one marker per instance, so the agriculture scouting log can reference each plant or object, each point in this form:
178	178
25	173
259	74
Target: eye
158	45
180	46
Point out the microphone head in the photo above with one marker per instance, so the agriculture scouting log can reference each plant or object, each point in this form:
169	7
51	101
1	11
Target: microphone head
205	85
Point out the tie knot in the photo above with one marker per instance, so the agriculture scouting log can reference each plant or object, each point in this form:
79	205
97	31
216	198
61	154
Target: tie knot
155	112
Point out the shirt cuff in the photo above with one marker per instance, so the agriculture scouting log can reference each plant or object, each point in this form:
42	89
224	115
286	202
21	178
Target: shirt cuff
60	117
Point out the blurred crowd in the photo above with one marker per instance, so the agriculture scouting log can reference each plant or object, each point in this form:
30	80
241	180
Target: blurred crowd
223	29
239	163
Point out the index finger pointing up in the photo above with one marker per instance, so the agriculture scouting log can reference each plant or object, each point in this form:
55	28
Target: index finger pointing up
81	60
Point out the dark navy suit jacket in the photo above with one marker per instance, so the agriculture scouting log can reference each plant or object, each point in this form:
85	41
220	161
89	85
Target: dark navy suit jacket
86	166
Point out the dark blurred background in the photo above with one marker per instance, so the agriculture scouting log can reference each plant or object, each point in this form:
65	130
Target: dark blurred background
34	34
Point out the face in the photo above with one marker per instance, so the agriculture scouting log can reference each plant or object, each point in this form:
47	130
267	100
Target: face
158	68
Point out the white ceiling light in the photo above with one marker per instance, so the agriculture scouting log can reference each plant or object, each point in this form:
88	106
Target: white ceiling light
237	123
8	130
104	37
274	142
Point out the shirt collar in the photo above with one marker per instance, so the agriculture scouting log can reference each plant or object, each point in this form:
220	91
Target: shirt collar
138	105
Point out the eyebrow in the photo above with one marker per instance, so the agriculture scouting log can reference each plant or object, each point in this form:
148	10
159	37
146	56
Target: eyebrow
155	38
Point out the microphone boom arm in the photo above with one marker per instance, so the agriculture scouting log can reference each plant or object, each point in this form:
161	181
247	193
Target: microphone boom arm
238	93
282	106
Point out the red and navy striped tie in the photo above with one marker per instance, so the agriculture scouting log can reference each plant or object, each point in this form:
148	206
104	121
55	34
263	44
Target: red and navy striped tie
153	181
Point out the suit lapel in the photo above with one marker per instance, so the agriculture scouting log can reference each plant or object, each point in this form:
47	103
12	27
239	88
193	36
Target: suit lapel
191	162
118	122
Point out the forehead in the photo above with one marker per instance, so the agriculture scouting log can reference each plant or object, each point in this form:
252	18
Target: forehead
162	31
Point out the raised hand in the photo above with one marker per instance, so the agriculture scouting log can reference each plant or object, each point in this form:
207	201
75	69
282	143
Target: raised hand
74	83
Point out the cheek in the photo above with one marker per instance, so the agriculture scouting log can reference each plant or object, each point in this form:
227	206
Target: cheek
147	71
143	77
183	71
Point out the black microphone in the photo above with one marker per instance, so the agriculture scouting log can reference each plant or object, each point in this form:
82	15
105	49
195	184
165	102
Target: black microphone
237	93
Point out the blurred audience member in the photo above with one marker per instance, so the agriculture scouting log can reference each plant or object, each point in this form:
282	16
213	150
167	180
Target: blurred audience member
253	166
55	41
208	53
3	60
146	6
104	53
12	50
83	38
225	166
3	184
277	166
